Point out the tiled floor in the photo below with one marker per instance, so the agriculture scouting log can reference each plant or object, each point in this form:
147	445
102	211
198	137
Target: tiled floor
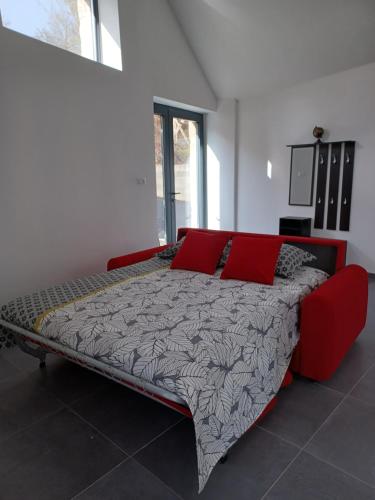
68	433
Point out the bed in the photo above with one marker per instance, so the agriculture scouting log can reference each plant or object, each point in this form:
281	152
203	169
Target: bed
217	351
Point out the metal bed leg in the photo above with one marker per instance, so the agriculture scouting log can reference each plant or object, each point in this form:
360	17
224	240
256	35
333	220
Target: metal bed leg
42	362
37	352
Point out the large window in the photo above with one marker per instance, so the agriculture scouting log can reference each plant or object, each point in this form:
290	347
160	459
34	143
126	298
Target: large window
180	175
88	28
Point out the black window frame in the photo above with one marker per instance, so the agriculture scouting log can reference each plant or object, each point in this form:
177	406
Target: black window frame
98	33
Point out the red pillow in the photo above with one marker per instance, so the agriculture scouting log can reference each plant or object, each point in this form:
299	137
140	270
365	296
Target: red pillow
200	252
252	259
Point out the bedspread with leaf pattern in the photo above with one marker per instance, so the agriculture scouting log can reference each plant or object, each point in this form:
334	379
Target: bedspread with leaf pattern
222	345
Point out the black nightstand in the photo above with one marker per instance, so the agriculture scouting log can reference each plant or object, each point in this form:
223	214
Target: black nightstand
295	226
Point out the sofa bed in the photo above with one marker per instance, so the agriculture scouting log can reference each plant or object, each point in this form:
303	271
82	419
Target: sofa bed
204	326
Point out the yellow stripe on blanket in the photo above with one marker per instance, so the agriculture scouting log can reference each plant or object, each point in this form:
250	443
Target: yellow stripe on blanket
39	320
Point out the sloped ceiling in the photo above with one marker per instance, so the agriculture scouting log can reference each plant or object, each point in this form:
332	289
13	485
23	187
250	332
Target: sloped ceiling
252	47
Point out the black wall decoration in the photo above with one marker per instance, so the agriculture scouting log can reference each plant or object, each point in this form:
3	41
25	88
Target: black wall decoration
347	183
334	179
320	199
338	156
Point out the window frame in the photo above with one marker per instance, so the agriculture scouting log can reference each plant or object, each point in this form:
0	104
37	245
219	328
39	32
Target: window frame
97	31
168	113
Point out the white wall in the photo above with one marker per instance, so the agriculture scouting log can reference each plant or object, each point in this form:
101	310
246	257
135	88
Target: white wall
344	104
74	137
221	133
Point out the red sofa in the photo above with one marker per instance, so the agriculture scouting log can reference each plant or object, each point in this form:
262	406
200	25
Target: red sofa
331	317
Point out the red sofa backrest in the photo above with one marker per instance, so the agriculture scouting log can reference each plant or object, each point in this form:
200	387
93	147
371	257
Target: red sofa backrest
331	254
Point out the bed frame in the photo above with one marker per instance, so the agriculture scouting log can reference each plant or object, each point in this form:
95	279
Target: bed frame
331	318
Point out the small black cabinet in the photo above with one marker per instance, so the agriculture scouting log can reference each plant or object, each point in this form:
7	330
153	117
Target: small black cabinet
295	226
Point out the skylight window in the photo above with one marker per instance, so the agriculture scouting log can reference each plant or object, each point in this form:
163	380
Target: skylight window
89	28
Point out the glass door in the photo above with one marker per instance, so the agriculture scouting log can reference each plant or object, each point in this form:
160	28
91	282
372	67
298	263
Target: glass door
159	169
180	179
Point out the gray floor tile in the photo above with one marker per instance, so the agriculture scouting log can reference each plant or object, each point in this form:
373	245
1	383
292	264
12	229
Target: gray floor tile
311	479
365	390
300	410
347	439
68	381
23	402
356	362
54	459
253	464
129	419
7	369
25	362
129	481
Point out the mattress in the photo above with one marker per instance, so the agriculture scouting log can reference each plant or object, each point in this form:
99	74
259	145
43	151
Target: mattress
23	311
222	346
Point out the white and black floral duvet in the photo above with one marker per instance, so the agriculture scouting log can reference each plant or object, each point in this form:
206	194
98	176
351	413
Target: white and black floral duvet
223	346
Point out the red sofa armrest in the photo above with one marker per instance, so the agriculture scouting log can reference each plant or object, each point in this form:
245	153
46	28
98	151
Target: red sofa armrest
331	319
133	258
